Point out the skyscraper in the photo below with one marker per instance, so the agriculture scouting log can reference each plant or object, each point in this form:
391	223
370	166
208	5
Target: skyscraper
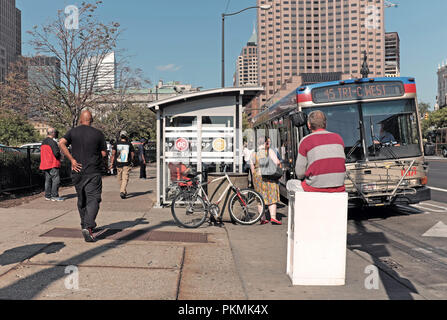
99	73
10	35
247	64
392	54
318	37
43	72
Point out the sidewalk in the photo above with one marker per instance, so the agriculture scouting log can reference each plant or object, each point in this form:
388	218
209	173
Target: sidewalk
142	254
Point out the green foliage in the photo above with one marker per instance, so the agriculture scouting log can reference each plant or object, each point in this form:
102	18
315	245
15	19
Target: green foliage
137	120
15	130
16	171
424	108
438	118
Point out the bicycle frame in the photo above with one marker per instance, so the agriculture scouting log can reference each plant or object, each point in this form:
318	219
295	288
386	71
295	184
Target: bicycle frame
229	187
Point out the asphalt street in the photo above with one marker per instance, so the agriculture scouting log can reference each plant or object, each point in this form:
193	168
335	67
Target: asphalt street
437	178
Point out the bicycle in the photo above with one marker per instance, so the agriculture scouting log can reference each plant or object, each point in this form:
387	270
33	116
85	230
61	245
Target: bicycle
191	207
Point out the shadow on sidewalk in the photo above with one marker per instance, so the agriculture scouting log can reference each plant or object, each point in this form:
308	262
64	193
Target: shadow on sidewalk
138	194
114	228
23	253
29	287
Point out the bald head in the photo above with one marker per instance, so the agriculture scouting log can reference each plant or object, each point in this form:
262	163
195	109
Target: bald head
86	118
317	120
51	132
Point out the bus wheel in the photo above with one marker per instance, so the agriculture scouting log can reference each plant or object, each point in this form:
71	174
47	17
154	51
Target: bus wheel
444	152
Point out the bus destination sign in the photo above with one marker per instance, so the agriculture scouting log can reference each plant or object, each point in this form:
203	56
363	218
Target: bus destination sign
358	91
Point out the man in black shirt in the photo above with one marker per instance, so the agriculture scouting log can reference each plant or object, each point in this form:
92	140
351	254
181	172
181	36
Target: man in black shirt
88	161
124	153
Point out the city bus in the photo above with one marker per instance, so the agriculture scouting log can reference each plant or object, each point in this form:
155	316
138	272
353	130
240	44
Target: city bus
379	121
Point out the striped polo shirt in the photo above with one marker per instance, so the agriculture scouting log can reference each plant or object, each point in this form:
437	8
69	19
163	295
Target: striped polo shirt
322	162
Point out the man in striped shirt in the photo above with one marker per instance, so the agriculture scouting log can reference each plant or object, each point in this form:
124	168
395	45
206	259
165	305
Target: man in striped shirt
321	163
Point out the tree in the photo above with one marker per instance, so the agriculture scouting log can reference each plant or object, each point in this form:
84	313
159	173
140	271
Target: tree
14	91
136	119
81	51
424	108
16	130
117	110
438	119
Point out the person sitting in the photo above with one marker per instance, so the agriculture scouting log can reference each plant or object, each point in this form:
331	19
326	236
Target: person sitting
321	163
386	138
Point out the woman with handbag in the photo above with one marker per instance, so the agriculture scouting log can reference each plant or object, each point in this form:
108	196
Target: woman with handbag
266	170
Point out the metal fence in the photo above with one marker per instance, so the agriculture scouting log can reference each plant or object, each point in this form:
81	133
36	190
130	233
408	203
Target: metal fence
19	169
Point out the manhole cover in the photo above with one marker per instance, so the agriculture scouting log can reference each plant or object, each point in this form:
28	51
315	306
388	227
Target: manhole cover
131	235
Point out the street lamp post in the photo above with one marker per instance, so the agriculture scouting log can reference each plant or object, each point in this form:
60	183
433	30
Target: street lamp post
263	7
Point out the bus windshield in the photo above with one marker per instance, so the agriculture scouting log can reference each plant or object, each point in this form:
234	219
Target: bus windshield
385	130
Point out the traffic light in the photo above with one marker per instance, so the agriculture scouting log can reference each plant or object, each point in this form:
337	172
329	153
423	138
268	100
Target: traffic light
426	116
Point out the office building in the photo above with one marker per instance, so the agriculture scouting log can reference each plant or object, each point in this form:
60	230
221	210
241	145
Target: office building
325	37
442	86
392	54
43	72
247	64
99	73
10	35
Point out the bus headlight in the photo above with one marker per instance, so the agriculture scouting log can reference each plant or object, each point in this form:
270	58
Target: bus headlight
411	182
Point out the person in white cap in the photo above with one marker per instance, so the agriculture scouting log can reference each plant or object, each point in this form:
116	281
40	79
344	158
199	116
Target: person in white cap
124	154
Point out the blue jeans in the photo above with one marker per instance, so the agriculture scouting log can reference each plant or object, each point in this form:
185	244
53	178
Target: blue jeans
52	182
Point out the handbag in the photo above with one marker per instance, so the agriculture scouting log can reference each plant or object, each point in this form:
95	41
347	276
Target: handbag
269	170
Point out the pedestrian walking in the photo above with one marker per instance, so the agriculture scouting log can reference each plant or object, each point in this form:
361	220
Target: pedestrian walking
50	163
124	154
264	165
142	159
321	163
88	162
112	164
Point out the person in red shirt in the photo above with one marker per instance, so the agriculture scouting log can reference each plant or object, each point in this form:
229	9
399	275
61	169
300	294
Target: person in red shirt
321	163
50	164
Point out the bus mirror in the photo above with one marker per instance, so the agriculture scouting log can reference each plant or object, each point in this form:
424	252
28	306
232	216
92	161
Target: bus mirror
299	119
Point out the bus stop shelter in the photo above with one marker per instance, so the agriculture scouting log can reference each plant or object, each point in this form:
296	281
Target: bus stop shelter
201	131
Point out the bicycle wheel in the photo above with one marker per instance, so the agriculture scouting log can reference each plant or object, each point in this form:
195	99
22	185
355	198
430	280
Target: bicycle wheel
189	211
247	208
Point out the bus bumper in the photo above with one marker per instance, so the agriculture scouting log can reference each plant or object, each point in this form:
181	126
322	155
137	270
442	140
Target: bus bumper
422	194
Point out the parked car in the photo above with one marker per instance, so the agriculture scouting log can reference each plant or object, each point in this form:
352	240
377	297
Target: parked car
35	147
6	149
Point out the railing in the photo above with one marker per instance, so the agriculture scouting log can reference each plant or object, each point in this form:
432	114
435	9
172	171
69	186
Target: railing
19	169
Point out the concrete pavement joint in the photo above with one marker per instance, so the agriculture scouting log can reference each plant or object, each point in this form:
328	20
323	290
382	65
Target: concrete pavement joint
55	218
96	266
237	271
182	263
26	260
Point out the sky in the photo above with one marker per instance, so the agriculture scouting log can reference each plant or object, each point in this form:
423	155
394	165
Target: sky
181	40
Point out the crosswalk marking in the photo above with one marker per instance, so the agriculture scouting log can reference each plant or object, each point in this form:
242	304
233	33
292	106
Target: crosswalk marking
430	207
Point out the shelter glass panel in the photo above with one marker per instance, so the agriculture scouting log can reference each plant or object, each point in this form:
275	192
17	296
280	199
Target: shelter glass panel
218	140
